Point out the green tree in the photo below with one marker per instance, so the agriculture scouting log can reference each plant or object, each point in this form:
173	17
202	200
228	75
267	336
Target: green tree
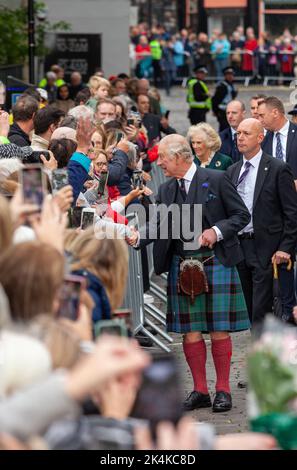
14	34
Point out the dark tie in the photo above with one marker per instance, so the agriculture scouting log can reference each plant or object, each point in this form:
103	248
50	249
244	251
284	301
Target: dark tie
235	141
279	150
182	187
234	152
247	167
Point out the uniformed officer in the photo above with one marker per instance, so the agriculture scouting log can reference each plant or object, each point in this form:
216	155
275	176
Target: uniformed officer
198	96
225	92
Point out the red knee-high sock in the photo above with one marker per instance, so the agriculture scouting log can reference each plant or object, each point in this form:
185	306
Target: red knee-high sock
222	352
196	358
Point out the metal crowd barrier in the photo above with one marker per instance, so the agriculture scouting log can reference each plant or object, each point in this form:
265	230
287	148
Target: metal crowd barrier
158	178
280	78
134	300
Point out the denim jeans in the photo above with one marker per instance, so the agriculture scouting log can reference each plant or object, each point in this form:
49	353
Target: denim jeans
220	64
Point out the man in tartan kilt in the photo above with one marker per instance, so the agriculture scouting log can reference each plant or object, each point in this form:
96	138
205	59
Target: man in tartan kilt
222	309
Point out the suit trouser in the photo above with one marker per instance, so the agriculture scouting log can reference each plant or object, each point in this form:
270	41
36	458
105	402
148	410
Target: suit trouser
287	289
256	282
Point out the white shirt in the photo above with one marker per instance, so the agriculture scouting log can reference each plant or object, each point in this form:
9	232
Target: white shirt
247	188
233	132
283	138
188	180
189	176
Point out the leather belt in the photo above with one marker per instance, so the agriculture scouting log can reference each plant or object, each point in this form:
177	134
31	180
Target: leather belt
246	236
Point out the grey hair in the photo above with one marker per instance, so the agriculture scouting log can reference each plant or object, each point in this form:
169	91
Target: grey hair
211	137
182	149
9	166
132	156
81	111
51	75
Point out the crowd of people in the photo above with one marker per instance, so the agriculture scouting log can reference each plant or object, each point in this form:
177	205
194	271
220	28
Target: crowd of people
102	140
169	57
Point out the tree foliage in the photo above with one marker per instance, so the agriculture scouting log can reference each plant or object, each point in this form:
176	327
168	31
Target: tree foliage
14	33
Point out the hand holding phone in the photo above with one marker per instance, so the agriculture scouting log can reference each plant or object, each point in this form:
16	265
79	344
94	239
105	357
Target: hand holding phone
130	122
102	182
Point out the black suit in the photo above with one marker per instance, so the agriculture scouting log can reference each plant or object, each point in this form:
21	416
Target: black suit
218	99
228	147
222	206
291	151
275	228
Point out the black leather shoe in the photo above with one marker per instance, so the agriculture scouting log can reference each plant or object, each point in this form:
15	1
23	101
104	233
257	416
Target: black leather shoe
222	402
196	400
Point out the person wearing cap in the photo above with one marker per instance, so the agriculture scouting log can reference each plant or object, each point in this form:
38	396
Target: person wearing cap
198	96
293	113
50	86
224	93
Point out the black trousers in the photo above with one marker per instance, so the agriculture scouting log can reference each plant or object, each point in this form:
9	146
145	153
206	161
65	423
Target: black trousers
257	283
221	117
157	72
197	115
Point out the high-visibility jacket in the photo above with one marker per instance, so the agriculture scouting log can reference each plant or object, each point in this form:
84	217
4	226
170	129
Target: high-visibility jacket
58	83
156	50
206	104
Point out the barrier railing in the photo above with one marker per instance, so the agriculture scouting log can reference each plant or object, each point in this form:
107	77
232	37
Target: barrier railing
257	57
158	178
134	300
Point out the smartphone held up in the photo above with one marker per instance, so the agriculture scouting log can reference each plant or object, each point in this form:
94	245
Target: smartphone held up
69	296
137	179
33	184
159	397
59	179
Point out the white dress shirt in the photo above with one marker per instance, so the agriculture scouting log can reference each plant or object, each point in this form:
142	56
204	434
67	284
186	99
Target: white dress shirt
233	132
189	176
188	180
283	138
247	188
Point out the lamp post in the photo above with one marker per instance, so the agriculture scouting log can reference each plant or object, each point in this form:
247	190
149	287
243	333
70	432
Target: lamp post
31	40
261	17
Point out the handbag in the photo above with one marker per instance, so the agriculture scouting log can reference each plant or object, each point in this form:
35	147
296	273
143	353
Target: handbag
192	278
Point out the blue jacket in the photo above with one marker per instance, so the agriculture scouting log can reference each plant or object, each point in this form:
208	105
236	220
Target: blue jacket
224	51
117	167
97	291
78	172
79	167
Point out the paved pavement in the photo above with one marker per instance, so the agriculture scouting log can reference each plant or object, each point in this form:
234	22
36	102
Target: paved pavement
235	420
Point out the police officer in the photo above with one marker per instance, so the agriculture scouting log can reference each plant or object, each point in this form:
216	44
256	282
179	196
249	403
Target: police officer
156	52
225	92
198	96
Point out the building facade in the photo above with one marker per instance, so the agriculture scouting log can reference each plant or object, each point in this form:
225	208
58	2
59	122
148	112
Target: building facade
108	18
205	15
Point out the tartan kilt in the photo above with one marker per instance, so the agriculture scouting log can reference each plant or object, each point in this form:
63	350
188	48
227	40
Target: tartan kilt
223	308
